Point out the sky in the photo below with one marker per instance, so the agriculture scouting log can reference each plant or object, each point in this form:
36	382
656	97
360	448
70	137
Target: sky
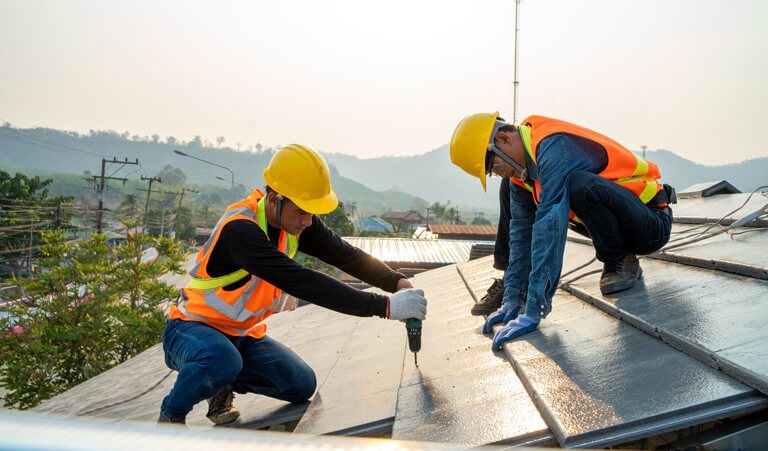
390	78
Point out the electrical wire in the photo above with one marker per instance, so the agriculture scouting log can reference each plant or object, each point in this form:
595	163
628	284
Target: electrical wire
688	239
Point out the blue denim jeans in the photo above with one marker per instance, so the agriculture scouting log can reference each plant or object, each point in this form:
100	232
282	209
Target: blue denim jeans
617	221
208	360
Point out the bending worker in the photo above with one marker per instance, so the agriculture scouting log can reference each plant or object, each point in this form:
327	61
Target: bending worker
215	337
562	174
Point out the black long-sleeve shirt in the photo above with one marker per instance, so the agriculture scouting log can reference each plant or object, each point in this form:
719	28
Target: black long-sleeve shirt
242	244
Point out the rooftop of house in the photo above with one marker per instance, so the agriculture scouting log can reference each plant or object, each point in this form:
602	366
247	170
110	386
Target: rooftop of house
462	229
687	346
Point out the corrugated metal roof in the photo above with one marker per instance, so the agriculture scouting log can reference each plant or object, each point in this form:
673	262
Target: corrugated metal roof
402	251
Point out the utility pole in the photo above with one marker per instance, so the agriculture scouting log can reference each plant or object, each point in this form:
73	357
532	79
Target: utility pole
644	147
149	192
162	217
100	190
516	82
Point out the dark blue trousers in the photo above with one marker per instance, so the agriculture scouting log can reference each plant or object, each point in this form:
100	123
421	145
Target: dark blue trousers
208	360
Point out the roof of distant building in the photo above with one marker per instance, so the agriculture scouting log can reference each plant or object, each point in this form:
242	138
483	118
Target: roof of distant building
407	216
370	224
463	230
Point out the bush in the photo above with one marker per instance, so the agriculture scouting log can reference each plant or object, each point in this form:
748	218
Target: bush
93	307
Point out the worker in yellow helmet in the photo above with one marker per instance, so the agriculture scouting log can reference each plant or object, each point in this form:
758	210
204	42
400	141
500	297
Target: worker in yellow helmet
557	174
215	337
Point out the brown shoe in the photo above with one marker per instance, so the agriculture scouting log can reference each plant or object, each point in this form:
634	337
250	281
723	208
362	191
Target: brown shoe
165	419
492	299
620	276
220	409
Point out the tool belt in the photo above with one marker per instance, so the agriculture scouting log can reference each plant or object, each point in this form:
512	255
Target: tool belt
663	199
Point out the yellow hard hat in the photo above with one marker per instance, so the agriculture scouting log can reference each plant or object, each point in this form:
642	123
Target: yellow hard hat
469	143
301	174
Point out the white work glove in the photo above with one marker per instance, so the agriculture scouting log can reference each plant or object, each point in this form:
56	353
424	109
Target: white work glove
405	304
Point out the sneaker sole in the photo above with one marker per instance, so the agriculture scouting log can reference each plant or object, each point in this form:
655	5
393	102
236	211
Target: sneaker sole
226	418
621	286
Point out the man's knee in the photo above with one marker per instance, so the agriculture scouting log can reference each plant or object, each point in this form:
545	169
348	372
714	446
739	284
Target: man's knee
301	387
220	365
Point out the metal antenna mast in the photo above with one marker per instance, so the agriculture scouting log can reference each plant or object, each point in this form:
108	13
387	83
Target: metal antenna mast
517	29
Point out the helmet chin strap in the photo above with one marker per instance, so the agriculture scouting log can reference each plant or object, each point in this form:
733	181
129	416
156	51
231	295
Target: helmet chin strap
523	171
279	198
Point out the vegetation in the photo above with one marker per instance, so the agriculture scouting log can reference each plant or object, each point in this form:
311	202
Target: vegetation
338	221
92	307
25	211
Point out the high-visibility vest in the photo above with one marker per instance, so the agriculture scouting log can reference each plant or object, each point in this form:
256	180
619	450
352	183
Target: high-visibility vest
624	167
239	311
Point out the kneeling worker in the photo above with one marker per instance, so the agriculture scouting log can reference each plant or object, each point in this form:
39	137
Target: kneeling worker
215	338
562	174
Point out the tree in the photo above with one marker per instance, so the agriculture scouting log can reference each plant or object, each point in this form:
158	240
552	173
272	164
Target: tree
480	220
185	229
25	211
93	307
172	176
129	206
339	222
220	140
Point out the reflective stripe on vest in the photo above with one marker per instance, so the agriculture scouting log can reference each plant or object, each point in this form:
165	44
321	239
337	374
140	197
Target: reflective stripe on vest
222	281
238	311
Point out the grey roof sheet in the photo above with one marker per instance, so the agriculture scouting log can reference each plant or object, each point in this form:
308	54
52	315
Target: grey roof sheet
461	392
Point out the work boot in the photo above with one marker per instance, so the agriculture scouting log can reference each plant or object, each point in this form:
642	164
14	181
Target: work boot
220	409
620	276
492	299
165	419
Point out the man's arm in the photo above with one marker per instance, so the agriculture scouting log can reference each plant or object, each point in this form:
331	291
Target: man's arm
247	247
558	156
522	211
318	240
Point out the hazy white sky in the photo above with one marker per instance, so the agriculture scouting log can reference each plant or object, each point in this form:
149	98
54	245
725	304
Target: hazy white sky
390	78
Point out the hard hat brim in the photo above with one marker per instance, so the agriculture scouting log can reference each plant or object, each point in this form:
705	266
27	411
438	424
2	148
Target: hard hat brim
319	206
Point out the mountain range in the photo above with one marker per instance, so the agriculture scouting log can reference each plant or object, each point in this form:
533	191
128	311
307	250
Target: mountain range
375	184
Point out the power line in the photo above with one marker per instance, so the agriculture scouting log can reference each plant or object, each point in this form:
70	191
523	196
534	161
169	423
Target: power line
51	145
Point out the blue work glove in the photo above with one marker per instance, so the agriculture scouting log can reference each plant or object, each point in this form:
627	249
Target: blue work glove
519	326
507	312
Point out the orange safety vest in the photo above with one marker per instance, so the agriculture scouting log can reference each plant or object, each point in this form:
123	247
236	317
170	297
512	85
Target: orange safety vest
624	167
238	311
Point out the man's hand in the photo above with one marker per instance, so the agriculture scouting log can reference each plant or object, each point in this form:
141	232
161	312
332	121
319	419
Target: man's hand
515	328
507	312
408	303
403	284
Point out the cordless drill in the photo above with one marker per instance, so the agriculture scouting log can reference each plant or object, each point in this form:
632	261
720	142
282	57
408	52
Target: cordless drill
413	327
